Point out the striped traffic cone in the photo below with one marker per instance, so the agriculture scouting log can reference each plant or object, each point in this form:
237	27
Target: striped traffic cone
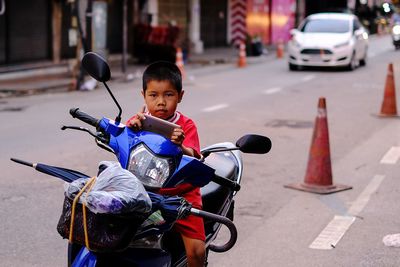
179	61
280	49
242	55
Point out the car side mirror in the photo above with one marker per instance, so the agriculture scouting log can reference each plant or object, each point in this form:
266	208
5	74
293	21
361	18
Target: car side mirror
255	144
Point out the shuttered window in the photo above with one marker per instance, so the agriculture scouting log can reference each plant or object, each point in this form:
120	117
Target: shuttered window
26	31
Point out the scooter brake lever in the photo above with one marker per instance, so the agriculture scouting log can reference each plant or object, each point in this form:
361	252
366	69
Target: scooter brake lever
100	140
79	129
102	145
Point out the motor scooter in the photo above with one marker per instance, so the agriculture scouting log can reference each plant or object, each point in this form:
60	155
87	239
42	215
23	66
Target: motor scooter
159	163
396	35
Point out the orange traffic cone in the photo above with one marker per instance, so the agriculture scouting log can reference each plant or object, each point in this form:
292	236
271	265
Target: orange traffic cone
179	61
280	49
242	55
389	108
379	29
318	177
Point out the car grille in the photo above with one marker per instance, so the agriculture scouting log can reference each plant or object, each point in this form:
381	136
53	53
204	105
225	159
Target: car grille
316	51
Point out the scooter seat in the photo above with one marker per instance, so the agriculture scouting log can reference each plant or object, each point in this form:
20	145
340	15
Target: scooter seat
222	163
214	195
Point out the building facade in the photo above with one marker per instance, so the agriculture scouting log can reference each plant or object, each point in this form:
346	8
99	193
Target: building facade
46	31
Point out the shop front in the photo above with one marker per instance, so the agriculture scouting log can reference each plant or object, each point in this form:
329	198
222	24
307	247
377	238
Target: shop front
25	31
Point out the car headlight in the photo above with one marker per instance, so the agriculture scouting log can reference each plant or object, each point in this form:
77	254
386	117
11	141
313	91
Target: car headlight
396	29
296	43
150	169
342	44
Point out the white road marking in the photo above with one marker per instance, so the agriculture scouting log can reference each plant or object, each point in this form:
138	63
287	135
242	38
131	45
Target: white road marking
272	90
215	108
335	230
392	156
308	78
364	197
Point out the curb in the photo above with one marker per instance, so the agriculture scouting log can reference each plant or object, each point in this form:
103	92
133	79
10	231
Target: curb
49	82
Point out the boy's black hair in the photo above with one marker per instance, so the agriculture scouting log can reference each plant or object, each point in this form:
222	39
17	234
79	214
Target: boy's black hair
161	71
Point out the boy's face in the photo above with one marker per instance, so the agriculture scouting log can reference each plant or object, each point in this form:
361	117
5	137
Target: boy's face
161	98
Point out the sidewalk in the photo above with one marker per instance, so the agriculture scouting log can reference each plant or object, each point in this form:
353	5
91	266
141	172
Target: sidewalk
58	79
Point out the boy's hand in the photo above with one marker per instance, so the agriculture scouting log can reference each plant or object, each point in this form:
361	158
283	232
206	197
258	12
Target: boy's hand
136	122
178	136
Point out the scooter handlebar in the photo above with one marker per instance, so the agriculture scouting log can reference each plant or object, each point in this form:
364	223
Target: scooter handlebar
226	182
223	220
76	113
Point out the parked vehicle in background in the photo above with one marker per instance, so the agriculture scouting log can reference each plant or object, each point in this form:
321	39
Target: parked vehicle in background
328	40
396	35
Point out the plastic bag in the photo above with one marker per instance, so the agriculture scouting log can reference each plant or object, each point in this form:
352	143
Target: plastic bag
115	191
392	240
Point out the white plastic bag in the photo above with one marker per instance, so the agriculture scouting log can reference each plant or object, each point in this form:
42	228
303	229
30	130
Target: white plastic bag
392	240
115	191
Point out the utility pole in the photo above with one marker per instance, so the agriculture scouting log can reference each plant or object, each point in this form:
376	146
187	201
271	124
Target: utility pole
270	21
82	43
124	36
89	15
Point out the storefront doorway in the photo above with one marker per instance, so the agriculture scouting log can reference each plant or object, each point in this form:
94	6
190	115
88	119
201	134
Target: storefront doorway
214	23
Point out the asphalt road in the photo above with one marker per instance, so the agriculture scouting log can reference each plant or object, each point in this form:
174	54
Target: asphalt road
276	225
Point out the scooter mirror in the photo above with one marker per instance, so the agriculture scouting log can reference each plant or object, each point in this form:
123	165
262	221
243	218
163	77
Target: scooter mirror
252	143
96	66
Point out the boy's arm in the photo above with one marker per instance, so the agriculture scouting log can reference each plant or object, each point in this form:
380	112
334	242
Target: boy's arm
189	151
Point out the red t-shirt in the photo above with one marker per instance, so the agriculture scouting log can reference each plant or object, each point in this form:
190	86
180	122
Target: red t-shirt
189	192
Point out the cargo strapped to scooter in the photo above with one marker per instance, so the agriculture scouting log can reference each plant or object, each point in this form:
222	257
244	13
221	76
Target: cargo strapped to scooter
98	232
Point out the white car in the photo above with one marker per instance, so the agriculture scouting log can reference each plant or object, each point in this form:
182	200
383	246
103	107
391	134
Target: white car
328	40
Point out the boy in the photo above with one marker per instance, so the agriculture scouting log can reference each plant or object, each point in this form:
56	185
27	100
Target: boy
162	91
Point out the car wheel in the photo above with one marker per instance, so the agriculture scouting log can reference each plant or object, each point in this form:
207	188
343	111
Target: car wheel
353	62
363	61
293	67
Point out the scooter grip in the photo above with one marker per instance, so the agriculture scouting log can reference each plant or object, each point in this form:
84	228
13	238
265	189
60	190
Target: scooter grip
225	221
226	182
75	113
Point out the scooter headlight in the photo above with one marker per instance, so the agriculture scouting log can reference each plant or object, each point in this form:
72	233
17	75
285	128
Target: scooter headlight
150	169
396	29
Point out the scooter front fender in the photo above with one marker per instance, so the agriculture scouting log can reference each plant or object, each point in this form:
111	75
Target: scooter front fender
85	258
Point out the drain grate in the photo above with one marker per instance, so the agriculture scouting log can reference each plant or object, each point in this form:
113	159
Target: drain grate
296	124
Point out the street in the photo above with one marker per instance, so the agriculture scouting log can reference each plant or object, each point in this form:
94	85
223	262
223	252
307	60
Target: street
276	225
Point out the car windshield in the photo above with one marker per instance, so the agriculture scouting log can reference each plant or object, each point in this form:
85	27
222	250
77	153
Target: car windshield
326	26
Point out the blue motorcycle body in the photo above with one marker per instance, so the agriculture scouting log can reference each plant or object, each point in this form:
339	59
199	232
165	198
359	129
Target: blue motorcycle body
122	141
